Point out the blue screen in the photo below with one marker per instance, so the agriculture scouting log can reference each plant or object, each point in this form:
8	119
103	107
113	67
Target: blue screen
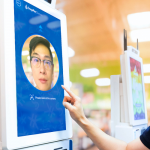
37	111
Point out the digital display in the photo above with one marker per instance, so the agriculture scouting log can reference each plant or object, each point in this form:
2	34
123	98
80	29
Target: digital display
137	90
39	71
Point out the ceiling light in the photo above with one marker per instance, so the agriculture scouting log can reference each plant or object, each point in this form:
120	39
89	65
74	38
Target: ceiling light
52	49
28	57
26	52
146	79
93	72
53	55
142	35
53	25
139	20
71	52
38	19
103	82
146	68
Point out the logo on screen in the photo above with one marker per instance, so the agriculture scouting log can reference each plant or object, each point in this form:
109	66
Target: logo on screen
32	10
18	2
31	97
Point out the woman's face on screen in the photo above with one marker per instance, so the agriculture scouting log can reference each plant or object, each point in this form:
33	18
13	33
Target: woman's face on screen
42	67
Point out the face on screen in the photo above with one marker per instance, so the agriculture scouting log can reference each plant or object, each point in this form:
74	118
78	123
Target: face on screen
137	89
41	68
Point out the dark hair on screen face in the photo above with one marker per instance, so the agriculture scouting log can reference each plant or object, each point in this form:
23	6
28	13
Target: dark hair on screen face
39	40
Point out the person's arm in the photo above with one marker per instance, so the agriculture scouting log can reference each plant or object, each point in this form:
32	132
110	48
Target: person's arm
101	140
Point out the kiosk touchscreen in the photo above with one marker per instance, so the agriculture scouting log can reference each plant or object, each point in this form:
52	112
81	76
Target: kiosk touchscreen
128	102
135	89
34	65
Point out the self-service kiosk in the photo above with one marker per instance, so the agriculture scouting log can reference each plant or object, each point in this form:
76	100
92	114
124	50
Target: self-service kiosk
128	103
33	66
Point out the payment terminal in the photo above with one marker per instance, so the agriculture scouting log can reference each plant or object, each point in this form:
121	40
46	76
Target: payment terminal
34	64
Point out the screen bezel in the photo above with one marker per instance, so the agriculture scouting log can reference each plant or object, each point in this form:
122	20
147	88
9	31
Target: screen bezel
10	139
129	55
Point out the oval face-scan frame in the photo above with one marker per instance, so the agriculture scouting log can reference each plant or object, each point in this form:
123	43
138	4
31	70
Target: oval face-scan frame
37	49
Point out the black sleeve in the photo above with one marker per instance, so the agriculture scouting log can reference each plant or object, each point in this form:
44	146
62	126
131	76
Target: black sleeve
145	138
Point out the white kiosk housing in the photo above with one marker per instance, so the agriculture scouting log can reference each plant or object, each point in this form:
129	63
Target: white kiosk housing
128	104
30	118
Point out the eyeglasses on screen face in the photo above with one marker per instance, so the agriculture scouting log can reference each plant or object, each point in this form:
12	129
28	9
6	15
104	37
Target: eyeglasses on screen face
36	62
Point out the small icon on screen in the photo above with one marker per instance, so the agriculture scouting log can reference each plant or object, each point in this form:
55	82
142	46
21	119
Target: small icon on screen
40	28
18	2
31	97
26	7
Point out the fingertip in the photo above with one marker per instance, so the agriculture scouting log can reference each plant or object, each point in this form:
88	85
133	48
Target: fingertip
64	103
63	87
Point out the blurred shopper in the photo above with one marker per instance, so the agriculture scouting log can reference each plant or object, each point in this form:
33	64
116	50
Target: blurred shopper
101	139
106	123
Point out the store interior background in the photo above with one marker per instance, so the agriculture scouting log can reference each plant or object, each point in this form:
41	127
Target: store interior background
95	40
95	34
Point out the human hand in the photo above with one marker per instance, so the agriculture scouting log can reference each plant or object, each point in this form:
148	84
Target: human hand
73	104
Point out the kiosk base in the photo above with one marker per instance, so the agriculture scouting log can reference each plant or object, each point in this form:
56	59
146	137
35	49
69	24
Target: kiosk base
128	133
60	145
120	127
